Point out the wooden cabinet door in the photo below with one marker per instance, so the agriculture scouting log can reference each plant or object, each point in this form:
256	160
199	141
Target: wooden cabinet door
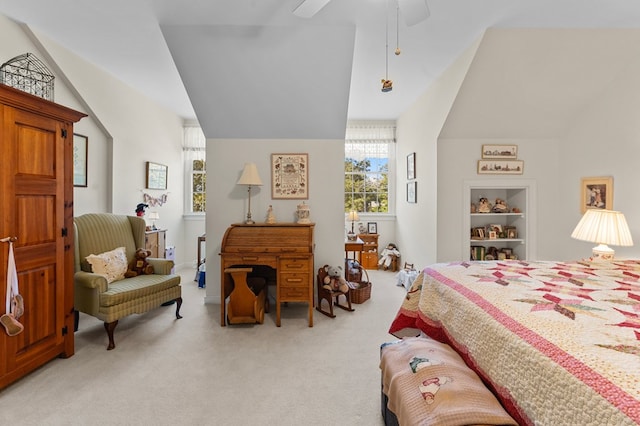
32	202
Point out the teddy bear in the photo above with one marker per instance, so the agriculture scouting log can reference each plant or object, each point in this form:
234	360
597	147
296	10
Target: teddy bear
334	281
139	264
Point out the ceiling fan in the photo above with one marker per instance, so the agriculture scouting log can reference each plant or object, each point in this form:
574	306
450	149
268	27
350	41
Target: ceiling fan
413	11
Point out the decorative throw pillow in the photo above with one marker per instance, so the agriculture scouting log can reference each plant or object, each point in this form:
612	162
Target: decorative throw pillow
112	264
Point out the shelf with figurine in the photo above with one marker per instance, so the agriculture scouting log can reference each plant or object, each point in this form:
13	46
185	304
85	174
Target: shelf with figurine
497	216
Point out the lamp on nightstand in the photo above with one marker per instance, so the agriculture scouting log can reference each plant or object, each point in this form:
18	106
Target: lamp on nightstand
154	216
603	227
353	216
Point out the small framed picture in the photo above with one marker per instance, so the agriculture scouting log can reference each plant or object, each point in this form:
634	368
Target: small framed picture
412	192
80	157
493	235
411	166
597	193
505	152
156	176
372	227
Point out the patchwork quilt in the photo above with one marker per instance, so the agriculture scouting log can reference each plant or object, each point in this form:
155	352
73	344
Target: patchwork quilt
558	342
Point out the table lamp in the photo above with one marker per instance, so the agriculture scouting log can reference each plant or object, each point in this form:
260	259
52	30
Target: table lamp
249	178
154	216
353	216
603	227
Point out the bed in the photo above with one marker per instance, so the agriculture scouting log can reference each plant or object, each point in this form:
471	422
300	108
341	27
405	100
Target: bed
557	342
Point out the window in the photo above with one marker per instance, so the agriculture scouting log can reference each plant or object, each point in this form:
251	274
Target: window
195	170
198	186
369	153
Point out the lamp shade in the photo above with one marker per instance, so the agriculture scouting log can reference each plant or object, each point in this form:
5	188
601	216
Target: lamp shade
154	216
250	175
353	215
603	227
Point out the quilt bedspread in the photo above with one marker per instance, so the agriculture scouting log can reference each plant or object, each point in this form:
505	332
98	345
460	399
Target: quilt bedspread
559	342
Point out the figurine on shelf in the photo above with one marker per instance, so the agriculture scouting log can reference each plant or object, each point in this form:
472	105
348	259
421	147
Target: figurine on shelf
271	218
500	206
474	208
484	206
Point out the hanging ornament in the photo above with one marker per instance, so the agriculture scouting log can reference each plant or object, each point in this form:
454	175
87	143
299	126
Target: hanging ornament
398	51
387	85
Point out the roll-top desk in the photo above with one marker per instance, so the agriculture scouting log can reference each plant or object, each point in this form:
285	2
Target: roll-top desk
285	247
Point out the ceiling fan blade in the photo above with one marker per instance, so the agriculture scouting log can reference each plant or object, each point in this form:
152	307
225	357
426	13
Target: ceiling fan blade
414	11
308	8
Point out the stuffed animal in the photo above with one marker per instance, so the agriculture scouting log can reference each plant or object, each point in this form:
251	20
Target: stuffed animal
334	281
139	264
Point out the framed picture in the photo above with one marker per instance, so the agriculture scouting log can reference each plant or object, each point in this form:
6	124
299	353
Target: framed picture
511	232
504	152
156	176
372	227
500	167
597	193
411	166
80	158
290	176
412	192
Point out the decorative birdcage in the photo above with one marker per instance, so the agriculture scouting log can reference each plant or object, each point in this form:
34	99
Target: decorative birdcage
27	73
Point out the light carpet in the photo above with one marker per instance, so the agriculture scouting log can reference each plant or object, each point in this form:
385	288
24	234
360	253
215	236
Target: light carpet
194	372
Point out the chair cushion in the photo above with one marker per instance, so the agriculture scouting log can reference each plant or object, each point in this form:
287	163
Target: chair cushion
137	287
112	264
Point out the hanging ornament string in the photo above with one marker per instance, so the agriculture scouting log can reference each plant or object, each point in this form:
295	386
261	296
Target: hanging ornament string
398	51
387	85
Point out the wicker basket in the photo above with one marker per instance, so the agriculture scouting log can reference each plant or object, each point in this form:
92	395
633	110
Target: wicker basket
363	292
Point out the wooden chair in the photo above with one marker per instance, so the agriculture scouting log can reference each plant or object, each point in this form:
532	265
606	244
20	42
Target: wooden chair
332	297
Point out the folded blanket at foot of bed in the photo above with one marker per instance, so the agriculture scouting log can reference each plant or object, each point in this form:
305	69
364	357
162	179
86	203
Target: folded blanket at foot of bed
426	382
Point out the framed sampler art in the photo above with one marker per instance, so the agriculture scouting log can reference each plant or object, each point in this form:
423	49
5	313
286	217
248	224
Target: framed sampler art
290	176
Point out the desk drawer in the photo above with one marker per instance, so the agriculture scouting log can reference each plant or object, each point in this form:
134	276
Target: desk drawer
294	294
248	259
294	264
289	280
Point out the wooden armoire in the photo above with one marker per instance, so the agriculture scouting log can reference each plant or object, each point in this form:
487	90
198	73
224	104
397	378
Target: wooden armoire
36	207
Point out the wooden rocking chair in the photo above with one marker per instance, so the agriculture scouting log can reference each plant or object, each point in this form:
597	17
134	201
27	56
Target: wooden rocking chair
329	296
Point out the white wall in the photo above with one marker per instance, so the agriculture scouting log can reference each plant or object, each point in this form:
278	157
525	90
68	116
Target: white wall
592	130
417	232
125	129
227	202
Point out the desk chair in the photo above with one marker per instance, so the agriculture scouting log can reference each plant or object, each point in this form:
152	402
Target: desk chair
246	305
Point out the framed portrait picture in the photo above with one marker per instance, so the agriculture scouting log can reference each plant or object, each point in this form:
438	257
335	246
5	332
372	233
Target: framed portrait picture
597	193
411	166
372	227
412	192
504	152
80	158
156	175
290	176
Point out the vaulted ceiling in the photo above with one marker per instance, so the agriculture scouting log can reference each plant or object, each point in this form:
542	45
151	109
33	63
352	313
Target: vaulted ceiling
245	68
